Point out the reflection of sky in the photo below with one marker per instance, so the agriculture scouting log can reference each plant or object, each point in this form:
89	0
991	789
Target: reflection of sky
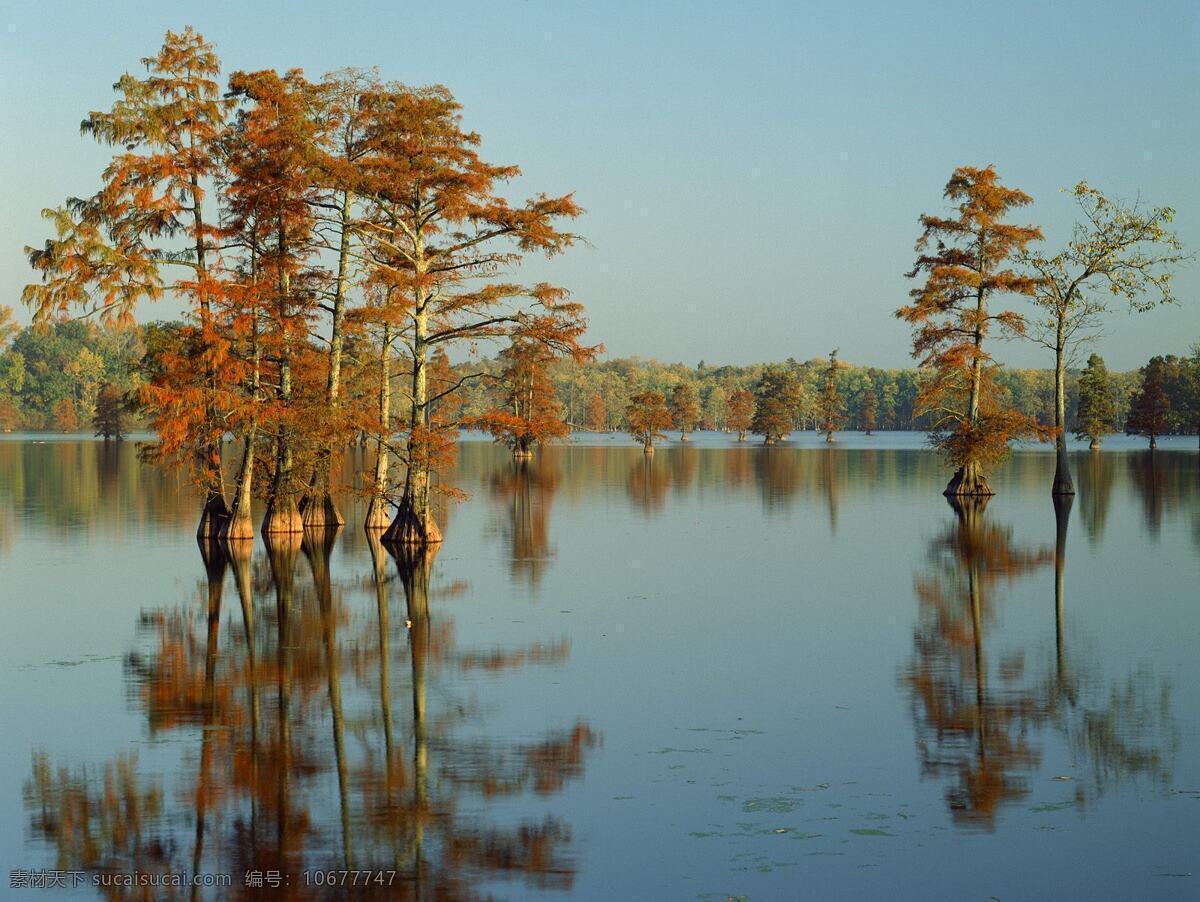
739	659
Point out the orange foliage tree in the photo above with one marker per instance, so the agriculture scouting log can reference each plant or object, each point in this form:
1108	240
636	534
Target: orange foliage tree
597	413
646	417
530	413
963	259
741	412
438	234
271	193
113	249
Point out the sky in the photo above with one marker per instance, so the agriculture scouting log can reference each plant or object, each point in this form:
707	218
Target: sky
752	172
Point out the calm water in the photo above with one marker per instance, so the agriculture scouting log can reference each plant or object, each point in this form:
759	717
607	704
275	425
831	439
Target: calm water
726	671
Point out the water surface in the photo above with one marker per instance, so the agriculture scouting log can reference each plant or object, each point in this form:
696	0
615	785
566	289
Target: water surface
723	671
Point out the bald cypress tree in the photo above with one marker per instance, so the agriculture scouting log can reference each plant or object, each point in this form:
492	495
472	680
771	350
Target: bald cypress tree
1150	409
964	260
1097	408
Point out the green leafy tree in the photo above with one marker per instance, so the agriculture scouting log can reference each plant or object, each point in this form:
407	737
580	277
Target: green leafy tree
685	408
777	398
830	408
1150	409
1117	251
868	407
1097	410
109	418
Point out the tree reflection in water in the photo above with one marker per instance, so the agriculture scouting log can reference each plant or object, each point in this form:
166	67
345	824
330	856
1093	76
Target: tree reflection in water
324	780
976	724
524	492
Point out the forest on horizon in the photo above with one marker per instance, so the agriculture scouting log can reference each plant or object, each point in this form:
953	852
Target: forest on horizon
50	380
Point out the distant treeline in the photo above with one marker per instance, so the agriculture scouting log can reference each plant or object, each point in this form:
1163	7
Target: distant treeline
50	380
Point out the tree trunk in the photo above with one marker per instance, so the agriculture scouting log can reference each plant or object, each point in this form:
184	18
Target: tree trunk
378	516
239	525
283	516
319	508
1094	445
968	481
216	511
414	523
1062	466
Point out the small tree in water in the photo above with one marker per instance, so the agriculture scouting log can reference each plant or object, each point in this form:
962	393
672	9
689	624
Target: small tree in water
951	319
829	405
647	416
869	408
1150	410
777	397
1116	250
597	413
1097	408
530	413
685	408
109	419
741	412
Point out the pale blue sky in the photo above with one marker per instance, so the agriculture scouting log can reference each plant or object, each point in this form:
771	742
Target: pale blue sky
752	172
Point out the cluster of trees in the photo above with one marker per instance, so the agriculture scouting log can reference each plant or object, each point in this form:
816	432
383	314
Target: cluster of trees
338	243
335	243
973	256
49	379
59	378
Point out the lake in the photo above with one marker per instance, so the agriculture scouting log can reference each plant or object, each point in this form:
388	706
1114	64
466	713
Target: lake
723	671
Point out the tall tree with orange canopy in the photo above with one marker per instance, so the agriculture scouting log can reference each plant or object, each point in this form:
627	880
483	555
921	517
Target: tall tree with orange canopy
441	237
271	177
963	258
741	412
529	413
149	220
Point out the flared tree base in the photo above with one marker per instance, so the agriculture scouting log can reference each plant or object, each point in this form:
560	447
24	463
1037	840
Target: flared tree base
282	519
215	513
1062	484
321	513
408	528
968	482
1062	473
238	527
648	449
379	518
